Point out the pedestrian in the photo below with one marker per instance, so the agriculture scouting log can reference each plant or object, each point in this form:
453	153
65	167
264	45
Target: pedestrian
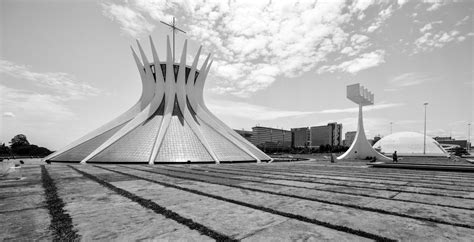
395	157
374	159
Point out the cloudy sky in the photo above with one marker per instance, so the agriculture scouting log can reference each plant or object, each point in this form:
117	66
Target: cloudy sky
66	66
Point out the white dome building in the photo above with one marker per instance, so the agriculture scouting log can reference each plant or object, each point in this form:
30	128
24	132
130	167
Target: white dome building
409	144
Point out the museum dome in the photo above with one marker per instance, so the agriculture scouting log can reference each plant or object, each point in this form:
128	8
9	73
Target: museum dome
409	144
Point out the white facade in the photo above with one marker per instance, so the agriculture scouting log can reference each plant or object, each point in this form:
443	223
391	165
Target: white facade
169	123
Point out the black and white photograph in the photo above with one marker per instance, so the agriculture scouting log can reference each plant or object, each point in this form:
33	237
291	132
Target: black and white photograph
236	120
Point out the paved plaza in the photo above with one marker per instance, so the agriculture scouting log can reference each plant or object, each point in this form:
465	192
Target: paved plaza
284	201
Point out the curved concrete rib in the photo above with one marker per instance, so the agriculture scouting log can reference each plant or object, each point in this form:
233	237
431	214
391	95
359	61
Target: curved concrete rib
206	116
181	94
360	148
160	80
170	90
146	113
145	98
223	128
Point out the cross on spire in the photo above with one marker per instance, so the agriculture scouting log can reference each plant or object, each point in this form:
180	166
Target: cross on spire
174	28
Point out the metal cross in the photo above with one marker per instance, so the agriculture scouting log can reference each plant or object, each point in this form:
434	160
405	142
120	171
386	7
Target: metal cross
173	26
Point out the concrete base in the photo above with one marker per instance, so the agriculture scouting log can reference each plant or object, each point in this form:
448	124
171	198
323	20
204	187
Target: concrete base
360	148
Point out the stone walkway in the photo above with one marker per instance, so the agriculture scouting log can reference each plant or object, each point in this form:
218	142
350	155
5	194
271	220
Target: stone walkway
249	202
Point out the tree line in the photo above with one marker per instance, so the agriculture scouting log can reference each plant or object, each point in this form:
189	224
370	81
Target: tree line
20	146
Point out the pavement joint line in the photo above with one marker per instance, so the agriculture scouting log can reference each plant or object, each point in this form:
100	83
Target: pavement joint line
361	166
23	209
371	188
61	221
263	229
341	192
17	185
333	179
301	197
146	203
354	175
312	179
365	170
265	209
23	194
427	177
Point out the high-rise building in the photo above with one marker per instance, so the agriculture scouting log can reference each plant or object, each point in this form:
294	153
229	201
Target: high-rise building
336	130
349	138
329	134
300	137
271	137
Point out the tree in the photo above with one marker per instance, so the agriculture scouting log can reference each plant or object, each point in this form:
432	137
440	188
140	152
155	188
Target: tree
19	140
4	150
20	146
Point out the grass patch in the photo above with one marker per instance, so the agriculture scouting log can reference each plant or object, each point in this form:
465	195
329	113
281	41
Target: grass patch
61	222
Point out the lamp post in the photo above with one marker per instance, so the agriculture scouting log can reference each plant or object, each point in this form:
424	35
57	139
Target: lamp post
424	137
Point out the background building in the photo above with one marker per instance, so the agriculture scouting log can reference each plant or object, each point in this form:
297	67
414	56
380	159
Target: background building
336	134
300	137
450	141
266	137
329	134
349	138
247	134
375	139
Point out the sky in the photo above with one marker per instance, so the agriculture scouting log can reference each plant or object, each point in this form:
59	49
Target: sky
66	67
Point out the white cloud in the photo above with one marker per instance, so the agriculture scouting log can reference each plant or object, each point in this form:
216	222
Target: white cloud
62	84
241	109
402	2
364	61
362	5
359	38
8	115
358	43
430	41
410	79
435	6
426	28
131	22
383	16
368	108
34	106
284	38
462	21
372	28
461	38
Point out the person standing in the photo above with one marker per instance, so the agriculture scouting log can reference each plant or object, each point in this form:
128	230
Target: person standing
395	156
